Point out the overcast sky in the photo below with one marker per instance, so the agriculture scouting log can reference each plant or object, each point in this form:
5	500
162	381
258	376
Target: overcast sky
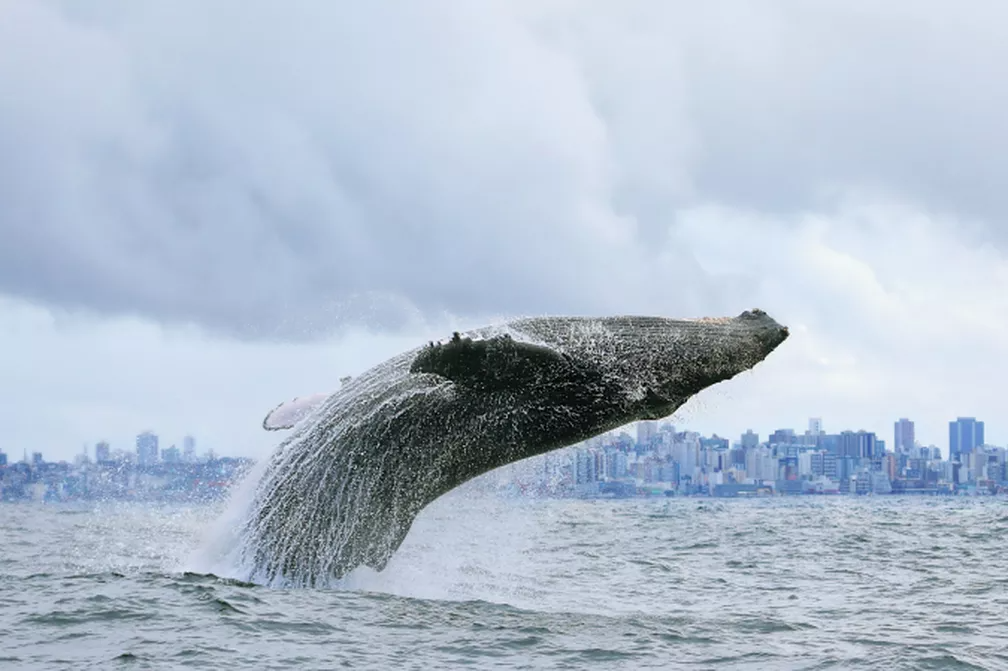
208	208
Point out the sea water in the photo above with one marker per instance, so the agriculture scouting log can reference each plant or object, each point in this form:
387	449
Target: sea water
489	582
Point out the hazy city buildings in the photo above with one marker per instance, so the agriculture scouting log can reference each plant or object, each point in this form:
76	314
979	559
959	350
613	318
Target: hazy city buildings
135	474
147	448
903	435
965	435
815	426
667	462
646	432
657	460
188	448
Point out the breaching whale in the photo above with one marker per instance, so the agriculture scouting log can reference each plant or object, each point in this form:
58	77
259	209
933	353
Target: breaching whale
343	489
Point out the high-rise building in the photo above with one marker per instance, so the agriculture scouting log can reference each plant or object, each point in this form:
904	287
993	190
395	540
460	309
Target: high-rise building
965	434
646	431
3	458
750	439
101	452
782	437
903	434
860	445
189	448
813	436
714	443
171	455
147	448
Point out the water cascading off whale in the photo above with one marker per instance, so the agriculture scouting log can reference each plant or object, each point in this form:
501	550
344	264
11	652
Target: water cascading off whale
344	488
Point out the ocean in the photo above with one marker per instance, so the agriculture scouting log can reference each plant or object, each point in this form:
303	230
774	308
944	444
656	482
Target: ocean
488	582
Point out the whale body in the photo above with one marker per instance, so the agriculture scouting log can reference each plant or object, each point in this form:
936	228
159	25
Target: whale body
343	489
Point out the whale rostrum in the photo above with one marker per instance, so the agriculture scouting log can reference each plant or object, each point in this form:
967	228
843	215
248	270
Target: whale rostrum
343	489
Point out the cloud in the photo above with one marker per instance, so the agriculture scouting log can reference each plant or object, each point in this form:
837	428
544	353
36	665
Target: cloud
893	314
264	182
306	167
353	161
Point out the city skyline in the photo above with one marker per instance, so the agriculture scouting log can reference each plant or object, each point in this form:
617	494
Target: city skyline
902	428
147	448
657	459
661	459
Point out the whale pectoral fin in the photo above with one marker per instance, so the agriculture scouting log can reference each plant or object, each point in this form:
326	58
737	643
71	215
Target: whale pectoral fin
289	413
494	364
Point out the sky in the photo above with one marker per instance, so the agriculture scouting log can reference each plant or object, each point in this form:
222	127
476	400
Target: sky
206	209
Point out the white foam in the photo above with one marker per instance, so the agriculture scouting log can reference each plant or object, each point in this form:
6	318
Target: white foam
217	552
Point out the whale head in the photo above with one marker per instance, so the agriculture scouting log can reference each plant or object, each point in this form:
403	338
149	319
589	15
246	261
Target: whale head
658	363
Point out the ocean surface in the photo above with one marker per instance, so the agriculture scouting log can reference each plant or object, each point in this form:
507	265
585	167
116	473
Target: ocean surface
487	582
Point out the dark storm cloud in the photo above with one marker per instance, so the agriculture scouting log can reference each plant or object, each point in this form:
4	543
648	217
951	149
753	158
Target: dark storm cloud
276	171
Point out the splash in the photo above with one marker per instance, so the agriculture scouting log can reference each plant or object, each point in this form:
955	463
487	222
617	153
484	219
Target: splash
216	552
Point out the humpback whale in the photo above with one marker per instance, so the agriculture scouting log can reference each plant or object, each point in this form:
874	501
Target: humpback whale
343	488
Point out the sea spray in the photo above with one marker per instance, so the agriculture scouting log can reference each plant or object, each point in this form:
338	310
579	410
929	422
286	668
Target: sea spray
217	552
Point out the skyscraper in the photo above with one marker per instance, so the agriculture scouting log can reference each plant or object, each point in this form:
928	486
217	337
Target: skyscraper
101	452
189	448
813	437
147	448
860	445
750	439
903	435
965	434
782	437
646	431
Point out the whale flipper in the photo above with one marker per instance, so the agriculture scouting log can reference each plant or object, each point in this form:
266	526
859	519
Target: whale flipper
499	363
289	413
